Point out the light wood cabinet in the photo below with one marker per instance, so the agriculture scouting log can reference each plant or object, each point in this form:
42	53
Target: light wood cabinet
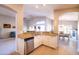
24	47
50	41
37	41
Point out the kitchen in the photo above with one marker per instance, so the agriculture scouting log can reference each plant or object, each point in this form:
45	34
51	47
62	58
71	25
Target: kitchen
37	36
40	28
37	29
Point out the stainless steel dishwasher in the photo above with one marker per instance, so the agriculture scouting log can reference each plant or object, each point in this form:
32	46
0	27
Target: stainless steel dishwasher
29	45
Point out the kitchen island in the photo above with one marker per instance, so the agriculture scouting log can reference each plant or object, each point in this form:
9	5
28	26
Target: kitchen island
27	42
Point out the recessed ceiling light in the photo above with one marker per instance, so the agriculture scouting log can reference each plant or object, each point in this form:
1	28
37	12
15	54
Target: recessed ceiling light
36	6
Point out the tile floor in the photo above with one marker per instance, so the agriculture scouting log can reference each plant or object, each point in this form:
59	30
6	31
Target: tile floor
43	50
65	48
7	46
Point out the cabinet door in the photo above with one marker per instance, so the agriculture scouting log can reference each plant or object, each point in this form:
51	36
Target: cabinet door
44	40
20	46
50	41
37	41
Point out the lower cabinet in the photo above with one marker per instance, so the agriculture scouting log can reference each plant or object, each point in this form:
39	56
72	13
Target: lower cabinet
20	46
37	41
51	41
25	46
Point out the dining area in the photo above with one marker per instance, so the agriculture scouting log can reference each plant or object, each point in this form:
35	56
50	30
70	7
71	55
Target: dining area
64	36
68	38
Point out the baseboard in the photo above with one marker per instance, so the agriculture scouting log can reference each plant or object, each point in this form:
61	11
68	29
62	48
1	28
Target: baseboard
48	46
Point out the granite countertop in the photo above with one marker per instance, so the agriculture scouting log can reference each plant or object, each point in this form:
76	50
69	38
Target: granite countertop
46	33
32	34
25	35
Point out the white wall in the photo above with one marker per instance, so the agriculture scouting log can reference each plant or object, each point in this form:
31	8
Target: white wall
6	20
78	34
32	22
49	25
73	23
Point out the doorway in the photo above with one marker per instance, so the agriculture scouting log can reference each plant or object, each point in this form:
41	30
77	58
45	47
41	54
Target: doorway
68	30
7	30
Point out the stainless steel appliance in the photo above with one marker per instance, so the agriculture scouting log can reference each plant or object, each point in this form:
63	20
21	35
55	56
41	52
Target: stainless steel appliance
29	45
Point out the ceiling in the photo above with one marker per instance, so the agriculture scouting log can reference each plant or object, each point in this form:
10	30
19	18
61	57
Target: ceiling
65	6
6	12
44	11
69	16
30	10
